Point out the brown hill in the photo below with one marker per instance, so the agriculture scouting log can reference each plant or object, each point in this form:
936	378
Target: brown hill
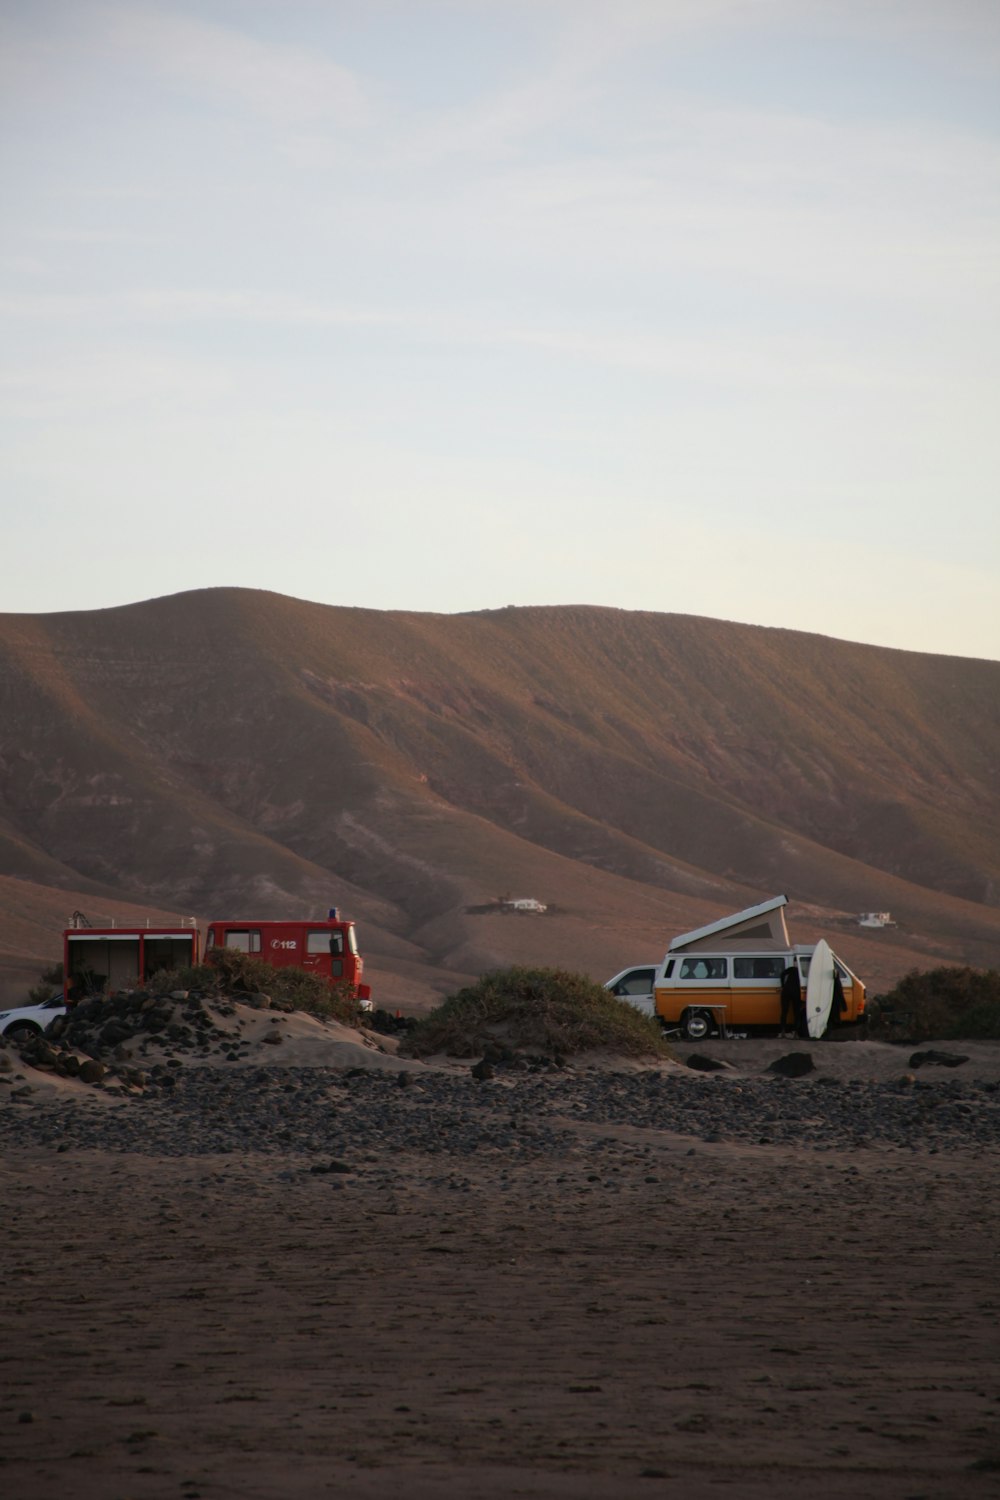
230	751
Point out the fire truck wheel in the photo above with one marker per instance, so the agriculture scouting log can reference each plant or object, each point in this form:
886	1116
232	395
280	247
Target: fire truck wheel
697	1025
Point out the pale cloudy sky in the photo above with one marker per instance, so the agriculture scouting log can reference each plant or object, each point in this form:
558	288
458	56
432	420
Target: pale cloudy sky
681	305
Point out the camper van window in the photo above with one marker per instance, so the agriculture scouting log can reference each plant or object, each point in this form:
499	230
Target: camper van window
243	941
668	968
703	968
758	968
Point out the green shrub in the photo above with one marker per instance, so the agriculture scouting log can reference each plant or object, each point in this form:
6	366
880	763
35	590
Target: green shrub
946	1004
547	1011
233	973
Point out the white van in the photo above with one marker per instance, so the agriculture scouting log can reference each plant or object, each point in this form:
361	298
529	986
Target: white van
635	987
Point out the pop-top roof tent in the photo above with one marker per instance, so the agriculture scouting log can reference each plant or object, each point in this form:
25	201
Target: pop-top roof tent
761	928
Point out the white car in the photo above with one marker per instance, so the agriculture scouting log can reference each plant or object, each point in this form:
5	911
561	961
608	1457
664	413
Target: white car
635	987
31	1020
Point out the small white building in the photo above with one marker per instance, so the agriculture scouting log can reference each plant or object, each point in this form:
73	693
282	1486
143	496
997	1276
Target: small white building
526	903
875	919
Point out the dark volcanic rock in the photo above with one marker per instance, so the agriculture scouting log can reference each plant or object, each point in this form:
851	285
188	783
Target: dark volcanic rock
793	1065
939	1059
300	1116
702	1063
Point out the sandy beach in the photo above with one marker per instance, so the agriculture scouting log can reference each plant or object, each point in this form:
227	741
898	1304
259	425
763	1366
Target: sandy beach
276	1279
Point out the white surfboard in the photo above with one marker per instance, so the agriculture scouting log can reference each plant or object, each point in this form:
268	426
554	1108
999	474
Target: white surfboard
819	990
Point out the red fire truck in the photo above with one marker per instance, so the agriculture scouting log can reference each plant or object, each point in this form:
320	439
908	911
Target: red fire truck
104	959
329	948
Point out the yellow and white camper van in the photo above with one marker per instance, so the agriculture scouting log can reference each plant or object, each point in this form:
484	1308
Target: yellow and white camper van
728	976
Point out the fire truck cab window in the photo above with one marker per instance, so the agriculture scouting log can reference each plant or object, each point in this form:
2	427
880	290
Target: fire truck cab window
243	940
703	968
325	942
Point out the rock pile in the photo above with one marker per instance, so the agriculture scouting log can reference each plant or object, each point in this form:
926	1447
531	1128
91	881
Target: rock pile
116	1034
100	1026
498	1058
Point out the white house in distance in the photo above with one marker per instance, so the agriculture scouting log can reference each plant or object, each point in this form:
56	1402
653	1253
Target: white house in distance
875	919
525	903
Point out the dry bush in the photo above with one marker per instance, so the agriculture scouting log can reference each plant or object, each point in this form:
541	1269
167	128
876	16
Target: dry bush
547	1011
946	1004
50	981
234	974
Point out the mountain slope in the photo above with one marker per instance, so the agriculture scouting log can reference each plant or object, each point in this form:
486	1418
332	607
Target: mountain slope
234	750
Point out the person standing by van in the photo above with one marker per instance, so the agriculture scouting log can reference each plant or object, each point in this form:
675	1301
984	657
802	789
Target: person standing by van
791	1001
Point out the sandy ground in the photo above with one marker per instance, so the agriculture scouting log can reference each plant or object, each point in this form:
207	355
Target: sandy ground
672	1318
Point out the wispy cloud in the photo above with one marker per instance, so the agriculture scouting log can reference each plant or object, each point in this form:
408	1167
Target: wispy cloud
713	356
293	85
586	38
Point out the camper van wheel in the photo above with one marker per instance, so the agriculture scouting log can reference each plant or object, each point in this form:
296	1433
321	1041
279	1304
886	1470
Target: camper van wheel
697	1025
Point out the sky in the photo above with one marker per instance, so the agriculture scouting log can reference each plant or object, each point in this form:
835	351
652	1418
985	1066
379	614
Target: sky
446	305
